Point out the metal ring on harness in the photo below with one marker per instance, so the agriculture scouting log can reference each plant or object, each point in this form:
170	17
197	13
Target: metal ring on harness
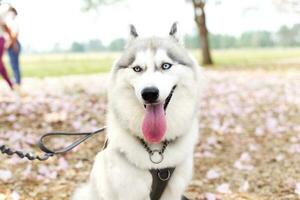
156	152
160	175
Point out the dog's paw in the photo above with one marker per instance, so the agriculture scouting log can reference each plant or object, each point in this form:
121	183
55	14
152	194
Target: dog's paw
82	192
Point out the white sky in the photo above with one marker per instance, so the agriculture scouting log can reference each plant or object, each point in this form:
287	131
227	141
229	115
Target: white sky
43	23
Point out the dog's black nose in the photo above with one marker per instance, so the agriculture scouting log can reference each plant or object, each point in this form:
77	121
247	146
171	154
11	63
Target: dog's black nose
150	94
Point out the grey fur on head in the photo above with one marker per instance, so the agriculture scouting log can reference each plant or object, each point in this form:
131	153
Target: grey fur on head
174	50
133	32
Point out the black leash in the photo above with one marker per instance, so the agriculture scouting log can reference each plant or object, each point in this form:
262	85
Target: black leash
47	151
160	177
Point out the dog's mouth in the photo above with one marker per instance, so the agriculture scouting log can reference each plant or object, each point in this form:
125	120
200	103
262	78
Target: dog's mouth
167	101
154	124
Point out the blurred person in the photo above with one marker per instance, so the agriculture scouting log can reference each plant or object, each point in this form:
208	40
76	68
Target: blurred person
14	47
3	30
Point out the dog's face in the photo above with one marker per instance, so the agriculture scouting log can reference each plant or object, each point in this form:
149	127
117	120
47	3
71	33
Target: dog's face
154	87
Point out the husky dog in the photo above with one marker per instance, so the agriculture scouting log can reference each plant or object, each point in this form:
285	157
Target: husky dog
153	97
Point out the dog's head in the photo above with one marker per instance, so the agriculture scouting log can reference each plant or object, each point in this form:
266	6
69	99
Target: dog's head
153	91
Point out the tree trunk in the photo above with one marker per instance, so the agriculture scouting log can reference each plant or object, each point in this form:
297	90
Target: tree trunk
203	32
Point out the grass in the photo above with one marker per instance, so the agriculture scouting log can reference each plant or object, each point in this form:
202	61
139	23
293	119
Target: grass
43	65
253	56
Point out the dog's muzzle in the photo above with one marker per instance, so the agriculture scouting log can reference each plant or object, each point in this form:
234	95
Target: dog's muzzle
151	94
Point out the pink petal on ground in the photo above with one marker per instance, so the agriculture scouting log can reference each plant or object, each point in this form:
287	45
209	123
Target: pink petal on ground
5	175
62	164
297	189
15	196
210	196
224	188
212	174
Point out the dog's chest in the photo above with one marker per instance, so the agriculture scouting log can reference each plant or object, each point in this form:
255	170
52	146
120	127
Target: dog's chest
127	176
123	178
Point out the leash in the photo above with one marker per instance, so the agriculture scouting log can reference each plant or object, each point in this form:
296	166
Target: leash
47	151
160	177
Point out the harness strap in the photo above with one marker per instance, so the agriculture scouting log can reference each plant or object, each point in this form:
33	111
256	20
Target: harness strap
184	198
160	179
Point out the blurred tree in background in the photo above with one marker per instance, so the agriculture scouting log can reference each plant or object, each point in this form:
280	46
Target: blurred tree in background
219	41
94	45
289	36
77	47
200	19
284	37
117	44
256	39
192	41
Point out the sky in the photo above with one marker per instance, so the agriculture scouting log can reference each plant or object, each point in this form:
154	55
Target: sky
45	23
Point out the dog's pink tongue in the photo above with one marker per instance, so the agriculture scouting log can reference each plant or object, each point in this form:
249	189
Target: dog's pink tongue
154	124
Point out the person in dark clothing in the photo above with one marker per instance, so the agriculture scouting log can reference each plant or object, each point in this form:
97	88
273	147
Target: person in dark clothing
14	48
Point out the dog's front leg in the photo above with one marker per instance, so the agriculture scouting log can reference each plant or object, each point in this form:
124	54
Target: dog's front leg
179	180
127	181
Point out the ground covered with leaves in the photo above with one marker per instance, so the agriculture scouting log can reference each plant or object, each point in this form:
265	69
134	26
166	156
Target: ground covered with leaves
249	148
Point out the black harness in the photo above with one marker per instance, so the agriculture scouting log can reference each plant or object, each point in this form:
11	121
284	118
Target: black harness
160	179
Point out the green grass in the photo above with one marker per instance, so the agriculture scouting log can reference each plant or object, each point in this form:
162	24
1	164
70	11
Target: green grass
42	65
253	56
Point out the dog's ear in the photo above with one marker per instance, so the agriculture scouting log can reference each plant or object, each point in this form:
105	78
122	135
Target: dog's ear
174	33
132	35
132	32
173	30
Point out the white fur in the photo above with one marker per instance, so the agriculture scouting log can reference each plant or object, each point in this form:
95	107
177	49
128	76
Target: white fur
121	171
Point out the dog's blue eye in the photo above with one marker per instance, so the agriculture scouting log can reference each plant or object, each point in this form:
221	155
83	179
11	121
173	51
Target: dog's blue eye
166	66
137	69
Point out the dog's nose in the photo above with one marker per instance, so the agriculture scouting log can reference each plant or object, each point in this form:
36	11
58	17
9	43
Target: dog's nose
150	94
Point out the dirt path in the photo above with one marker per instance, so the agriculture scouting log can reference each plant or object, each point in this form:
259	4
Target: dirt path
249	147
